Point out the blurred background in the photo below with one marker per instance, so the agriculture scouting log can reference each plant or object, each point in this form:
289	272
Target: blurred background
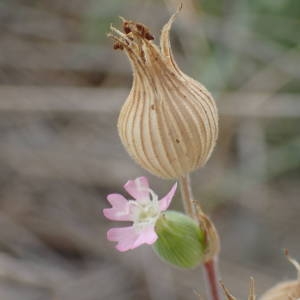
61	88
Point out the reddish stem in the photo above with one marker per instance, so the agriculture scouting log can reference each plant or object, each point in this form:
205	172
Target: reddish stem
211	274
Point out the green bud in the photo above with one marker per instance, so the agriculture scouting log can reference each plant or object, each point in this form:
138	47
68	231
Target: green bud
180	240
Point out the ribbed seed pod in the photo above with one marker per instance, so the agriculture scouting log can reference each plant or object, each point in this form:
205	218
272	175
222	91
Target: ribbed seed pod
288	290
169	122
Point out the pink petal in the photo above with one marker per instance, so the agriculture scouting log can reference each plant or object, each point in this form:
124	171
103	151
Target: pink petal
147	236
120	208
138	188
125	236
116	215
117	200
166	200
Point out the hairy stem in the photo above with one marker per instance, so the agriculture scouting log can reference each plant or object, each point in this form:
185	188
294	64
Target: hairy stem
210	268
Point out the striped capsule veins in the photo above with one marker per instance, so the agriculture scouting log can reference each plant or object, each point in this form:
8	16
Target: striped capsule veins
169	122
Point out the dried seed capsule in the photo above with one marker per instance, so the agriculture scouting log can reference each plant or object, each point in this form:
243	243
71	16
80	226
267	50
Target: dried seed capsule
169	122
287	290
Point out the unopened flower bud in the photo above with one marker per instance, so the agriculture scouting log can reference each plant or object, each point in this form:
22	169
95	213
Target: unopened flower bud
169	122
287	290
180	240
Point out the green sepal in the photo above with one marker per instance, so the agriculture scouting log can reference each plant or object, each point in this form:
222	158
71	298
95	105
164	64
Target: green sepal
180	240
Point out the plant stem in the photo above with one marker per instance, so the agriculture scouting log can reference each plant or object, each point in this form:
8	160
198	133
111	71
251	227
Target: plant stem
210	269
211	274
187	195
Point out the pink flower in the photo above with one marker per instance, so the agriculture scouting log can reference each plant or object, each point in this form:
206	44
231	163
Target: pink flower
143	212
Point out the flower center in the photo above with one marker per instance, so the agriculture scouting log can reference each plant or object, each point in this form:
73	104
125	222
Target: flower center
145	212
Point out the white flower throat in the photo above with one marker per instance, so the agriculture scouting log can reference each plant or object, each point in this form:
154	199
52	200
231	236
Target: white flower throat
145	211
